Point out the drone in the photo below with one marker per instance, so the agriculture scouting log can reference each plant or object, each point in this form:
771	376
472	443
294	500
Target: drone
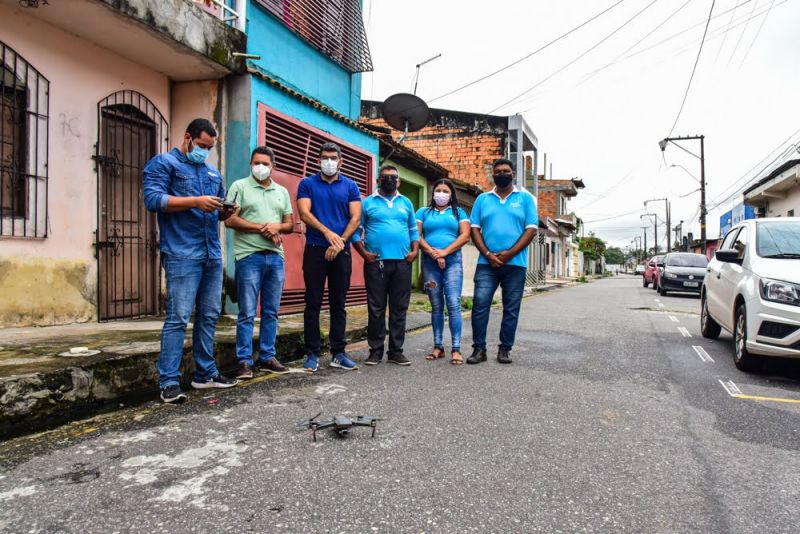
340	424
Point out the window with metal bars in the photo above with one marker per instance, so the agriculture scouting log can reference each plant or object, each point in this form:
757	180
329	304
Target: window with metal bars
334	27
24	102
297	148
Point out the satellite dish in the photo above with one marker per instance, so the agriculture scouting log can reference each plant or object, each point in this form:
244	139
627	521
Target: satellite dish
405	112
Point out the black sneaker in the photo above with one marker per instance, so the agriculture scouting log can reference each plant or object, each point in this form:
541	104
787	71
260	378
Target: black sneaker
477	356
398	358
218	381
272	366
173	394
503	355
243	371
375	357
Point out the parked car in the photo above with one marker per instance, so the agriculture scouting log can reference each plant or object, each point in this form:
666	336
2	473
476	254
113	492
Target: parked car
752	289
639	269
651	271
683	271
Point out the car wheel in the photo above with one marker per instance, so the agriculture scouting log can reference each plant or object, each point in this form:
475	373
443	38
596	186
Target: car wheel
662	291
708	326
644	281
742	358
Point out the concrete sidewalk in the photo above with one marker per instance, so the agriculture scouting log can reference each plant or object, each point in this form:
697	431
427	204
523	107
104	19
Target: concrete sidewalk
43	385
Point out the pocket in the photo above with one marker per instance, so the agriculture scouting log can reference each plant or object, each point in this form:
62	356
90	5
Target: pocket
182	183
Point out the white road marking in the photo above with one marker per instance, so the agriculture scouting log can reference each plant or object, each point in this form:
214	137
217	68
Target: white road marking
673	319
660	304
730	388
701	352
684	331
657	300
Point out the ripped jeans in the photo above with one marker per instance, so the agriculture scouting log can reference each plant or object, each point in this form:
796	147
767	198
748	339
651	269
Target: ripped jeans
444	286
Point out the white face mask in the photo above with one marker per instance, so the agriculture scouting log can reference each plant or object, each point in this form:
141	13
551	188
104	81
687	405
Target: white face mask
441	198
261	172
329	167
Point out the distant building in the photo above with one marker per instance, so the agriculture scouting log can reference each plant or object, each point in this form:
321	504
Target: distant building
778	193
738	214
559	227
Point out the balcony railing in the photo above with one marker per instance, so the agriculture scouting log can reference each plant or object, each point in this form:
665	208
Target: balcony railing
231	12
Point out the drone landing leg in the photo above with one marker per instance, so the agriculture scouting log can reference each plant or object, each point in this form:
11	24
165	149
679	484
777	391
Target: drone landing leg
314	435
374	428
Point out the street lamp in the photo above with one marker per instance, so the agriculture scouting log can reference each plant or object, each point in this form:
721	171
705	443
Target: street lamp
685	170
663	145
655	231
666	206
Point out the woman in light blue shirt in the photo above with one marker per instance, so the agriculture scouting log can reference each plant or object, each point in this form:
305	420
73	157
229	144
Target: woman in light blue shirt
443	229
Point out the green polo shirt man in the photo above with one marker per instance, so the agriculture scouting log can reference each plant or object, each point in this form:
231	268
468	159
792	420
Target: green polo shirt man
264	214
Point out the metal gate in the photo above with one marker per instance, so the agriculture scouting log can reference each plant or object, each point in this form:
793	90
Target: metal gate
131	130
537	260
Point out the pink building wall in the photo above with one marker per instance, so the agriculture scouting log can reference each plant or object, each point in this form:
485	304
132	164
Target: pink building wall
53	280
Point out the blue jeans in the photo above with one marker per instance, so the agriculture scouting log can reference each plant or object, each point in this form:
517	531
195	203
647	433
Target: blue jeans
258	273
444	286
191	285
512	279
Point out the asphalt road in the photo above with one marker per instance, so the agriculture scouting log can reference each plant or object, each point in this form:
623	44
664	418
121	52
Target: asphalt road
615	416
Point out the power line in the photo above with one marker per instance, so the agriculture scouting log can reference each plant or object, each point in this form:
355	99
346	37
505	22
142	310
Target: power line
751	169
613	217
601	41
739	40
696	61
520	60
758	32
634	45
724	38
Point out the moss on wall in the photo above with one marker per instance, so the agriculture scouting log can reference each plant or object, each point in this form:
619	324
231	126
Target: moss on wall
46	292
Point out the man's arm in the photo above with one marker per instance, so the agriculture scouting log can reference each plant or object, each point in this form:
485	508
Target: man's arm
524	240
304	210
355	219
413	234
157	177
480	244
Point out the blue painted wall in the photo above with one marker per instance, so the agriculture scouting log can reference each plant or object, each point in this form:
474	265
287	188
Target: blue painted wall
289	59
284	103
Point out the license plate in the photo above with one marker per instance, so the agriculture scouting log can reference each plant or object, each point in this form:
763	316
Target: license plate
691	284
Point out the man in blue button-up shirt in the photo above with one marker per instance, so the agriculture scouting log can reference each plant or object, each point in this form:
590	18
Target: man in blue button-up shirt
187	194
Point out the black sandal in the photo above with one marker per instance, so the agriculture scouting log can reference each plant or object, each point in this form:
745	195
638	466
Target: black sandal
434	356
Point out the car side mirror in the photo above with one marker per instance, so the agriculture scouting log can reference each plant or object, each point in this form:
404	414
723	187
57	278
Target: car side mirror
728	256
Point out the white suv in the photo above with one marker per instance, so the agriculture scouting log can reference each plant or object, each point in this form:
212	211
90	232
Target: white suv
752	289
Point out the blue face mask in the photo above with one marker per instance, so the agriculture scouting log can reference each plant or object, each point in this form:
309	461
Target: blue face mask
197	155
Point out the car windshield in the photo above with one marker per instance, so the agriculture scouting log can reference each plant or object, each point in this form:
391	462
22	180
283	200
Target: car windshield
778	239
687	260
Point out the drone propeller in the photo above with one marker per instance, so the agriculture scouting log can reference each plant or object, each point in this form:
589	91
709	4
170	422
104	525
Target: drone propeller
308	423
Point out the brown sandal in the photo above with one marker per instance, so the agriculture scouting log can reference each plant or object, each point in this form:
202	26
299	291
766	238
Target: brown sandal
456	360
434	355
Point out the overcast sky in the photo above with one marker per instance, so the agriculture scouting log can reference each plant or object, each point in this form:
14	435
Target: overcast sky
745	96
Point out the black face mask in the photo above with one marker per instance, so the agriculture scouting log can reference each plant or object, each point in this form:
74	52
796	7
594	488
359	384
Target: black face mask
388	185
502	180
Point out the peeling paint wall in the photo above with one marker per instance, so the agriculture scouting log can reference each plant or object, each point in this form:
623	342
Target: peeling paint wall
53	280
44	291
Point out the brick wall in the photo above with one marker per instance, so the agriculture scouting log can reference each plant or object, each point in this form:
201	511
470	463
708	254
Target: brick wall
548	204
468	155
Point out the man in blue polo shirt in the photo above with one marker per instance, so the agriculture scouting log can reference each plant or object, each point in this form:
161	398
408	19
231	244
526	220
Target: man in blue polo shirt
504	221
389	247
187	194
329	203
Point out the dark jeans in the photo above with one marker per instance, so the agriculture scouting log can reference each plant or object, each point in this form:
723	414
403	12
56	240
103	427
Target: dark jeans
264	275
387	281
337	272
512	280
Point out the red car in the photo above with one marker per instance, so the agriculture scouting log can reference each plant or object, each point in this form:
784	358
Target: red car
650	275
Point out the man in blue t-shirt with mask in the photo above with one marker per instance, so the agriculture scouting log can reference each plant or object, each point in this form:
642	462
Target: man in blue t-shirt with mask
187	194
504	222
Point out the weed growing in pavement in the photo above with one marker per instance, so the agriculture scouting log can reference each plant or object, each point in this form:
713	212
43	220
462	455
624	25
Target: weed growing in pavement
582	279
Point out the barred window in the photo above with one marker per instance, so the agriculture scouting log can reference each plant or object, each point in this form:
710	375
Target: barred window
24	101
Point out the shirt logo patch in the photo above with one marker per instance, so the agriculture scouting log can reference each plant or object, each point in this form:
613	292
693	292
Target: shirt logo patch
515	204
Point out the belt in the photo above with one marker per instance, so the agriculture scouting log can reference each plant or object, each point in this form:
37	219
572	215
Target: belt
266	252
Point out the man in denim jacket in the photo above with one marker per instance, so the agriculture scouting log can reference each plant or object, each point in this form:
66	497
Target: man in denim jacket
187	194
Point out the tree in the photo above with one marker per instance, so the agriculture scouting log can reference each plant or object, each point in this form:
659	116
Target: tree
593	247
614	256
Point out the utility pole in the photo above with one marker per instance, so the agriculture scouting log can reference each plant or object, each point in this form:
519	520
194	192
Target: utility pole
663	145
644	231
655	232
